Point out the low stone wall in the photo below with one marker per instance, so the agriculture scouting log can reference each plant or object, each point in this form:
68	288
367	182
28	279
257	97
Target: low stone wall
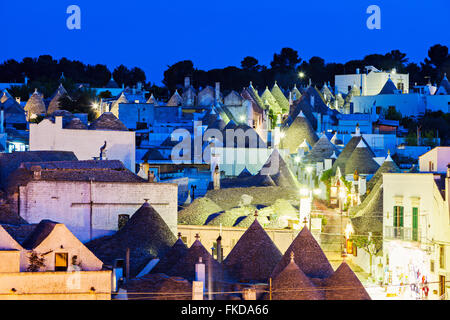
231	235
56	285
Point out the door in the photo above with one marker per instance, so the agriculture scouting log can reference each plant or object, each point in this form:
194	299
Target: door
442	293
61	261
415	224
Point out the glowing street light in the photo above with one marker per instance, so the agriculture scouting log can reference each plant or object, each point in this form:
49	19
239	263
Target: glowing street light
301	75
348	230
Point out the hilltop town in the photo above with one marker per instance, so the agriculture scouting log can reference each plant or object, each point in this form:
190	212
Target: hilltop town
296	191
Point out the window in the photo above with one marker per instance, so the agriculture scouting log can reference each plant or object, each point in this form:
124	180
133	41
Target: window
349	88
398	216
184	239
442	257
432	266
430	166
442	293
391	109
378	110
61	261
122	220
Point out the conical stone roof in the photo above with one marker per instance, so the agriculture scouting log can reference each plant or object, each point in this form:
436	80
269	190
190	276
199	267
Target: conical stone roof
299	130
361	160
389	87
345	285
178	251
35	105
323	149
54	103
176	100
269	99
388	166
108	121
292	284
346	153
115	106
279	172
254	256
146	234
280	97
76	123
308	256
185	267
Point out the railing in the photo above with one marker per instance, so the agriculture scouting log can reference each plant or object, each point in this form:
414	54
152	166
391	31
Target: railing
401	233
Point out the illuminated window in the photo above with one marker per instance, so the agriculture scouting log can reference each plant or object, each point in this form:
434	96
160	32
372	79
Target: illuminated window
61	261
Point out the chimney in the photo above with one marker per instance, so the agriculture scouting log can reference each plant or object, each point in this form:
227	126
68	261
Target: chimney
200	274
219	249
216	178
36	172
187	82
447	185
217	92
26	80
59	122
2	119
290	98
357	130
362	185
357	70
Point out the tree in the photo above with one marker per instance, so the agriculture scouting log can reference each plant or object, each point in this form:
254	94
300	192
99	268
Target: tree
137	75
437	55
370	244
249	64
286	60
81	102
121	75
36	262
174	75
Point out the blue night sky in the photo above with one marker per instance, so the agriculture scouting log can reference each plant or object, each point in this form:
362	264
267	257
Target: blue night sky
214	34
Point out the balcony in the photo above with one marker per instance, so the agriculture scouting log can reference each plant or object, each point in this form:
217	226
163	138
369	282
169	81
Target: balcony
401	233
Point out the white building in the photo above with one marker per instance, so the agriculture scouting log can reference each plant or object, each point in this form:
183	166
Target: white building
371	82
435	160
89	197
84	142
416	232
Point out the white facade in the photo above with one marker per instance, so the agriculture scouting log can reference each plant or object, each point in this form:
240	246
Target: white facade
69	202
435	160
416	231
411	104
370	84
86	144
438	103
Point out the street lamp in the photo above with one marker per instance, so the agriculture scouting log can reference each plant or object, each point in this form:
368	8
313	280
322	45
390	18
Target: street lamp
301	75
